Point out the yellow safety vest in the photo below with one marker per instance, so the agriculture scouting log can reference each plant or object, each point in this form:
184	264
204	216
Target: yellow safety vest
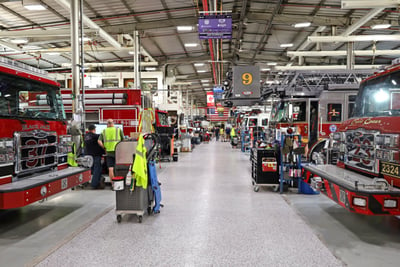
221	131
140	164
71	157
233	132
111	137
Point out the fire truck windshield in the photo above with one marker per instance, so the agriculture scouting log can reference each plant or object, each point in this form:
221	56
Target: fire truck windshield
27	99
379	97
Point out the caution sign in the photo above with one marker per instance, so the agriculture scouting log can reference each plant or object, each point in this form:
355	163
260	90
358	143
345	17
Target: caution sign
246	82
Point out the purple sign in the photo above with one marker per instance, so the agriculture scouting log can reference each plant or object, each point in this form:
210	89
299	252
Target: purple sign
215	27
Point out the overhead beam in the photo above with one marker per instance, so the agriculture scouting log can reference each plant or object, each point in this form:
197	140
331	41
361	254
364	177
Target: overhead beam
353	4
41	33
356	25
343	53
325	67
353	38
88	22
112	64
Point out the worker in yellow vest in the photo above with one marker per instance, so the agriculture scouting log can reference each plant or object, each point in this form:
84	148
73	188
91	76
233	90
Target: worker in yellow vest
221	133
108	140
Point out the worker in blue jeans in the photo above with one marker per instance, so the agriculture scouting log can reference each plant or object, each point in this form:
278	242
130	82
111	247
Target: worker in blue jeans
96	151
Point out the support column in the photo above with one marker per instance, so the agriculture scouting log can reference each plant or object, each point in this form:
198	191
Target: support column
136	65
76	110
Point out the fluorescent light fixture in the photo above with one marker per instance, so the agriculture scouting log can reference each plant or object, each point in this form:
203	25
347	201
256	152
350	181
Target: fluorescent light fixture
380	26
191	44
206	84
286	45
265	69
205	81
52	53
184	28
131	52
150	68
272	63
302	25
201	71
198	64
19	41
31	47
35	7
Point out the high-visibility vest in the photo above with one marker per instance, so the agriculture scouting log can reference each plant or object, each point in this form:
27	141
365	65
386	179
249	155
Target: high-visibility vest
71	157
111	137
140	164
233	132
221	131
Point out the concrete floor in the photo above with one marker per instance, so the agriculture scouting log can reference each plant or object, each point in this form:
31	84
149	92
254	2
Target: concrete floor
211	217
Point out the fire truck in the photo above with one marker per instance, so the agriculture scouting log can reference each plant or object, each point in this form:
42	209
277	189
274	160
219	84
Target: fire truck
313	118
33	138
120	104
366	177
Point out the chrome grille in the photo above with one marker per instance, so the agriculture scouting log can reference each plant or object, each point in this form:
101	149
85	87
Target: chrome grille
36	151
360	150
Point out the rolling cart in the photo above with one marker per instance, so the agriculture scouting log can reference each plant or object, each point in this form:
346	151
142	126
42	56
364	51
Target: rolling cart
264	168
139	200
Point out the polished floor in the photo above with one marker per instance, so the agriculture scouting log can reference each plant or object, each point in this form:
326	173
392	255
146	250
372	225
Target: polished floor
211	217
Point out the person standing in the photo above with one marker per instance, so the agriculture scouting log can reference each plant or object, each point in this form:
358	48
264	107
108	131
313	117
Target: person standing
108	140
93	149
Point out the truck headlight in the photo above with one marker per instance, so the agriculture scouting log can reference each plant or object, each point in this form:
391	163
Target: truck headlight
358	201
390	203
64	144
338	136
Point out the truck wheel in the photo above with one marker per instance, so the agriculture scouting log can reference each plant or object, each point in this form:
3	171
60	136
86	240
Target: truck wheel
119	218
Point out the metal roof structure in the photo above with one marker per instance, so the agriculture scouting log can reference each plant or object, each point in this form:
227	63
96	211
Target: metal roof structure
340	35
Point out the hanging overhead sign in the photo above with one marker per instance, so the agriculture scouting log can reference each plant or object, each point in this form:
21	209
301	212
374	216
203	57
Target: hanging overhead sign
215	26
210	99
246	82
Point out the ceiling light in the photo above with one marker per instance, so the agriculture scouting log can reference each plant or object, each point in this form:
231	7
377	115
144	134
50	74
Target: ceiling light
272	63
206	84
201	71
53	53
150	68
286	45
205	81
184	28
191	44
265	69
380	26
31	47
33	5
302	24
131	52
19	41
198	64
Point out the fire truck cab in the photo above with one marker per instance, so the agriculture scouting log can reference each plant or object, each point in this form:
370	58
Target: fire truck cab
366	177
33	138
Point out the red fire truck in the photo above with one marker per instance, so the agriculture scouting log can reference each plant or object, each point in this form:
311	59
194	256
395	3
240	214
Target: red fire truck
120	104
313	118
33	138
366	178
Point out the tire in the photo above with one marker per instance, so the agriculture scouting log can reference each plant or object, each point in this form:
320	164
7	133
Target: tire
256	188
140	219
119	218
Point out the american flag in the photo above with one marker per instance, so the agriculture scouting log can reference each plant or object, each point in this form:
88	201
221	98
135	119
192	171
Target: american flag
217	114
